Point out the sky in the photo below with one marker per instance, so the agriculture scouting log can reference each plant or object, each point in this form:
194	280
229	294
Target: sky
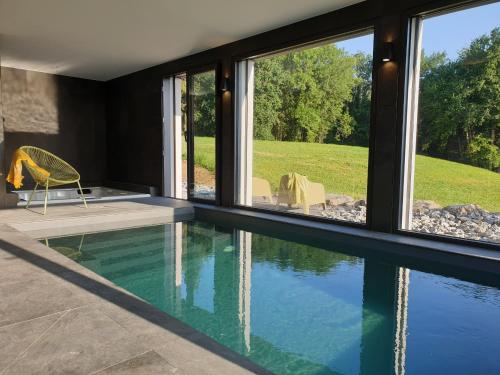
449	32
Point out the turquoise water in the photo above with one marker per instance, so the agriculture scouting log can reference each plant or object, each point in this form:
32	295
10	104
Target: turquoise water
300	309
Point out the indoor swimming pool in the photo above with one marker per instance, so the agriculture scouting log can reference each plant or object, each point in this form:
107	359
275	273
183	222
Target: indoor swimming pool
296	308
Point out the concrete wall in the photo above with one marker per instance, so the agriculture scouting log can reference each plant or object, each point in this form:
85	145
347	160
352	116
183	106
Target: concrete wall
63	115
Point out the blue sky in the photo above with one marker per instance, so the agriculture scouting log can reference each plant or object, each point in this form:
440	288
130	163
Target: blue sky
450	32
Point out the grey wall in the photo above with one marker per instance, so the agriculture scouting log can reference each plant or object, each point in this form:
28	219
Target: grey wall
63	115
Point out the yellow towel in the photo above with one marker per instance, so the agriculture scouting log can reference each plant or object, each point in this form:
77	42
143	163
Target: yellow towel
15	176
298	190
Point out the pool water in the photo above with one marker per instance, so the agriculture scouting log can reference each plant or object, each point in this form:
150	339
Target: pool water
298	309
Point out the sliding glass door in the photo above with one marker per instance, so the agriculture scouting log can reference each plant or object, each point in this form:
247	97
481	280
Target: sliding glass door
189	113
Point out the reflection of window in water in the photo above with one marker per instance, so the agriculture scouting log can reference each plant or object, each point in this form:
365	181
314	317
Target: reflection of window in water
373	312
204	293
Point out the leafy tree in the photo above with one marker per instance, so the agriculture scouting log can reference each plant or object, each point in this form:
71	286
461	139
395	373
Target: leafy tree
268	99
203	99
360	105
459	103
323	94
483	153
302	95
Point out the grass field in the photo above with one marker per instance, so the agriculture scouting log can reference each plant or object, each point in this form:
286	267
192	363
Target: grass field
344	170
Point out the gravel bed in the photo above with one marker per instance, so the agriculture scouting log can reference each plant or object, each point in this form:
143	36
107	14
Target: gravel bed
463	221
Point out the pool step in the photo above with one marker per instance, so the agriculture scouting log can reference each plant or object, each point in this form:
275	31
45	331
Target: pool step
64	220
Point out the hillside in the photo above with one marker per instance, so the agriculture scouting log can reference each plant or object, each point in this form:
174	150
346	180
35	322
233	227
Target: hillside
344	169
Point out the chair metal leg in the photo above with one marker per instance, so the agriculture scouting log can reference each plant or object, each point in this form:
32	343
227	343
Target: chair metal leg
31	195
46	197
81	194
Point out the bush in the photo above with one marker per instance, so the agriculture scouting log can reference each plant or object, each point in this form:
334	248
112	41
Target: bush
483	153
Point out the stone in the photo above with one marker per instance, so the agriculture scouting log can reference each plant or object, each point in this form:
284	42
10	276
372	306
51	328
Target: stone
338	199
81	341
360	202
463	221
424	205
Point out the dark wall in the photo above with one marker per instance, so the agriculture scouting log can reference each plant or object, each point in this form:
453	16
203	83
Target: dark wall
63	115
134	131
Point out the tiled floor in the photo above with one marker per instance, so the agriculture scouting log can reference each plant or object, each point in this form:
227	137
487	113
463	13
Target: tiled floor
57	317
62	219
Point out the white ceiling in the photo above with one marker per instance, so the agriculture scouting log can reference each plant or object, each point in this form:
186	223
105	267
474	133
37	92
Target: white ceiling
104	39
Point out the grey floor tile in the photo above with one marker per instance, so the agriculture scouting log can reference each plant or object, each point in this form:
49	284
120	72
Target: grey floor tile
149	363
16	338
34	297
148	325
82	341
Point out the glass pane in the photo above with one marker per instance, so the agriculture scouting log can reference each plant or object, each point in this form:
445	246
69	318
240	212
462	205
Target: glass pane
202	100
309	127
456	189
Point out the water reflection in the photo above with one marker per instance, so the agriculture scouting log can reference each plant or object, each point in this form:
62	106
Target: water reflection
290	307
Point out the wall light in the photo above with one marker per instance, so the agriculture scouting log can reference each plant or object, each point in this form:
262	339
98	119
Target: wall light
387	52
224	84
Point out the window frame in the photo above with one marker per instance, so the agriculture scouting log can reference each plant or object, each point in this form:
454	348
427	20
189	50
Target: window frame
407	63
311	42
199	68
215	67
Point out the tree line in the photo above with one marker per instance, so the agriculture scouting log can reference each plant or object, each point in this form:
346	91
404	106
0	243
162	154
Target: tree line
323	95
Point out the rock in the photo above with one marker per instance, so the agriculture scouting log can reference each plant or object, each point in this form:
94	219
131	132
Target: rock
462	221
463	209
361	202
338	199
435	213
424	206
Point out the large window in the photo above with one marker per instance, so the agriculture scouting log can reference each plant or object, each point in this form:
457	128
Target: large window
189	135
302	120
452	161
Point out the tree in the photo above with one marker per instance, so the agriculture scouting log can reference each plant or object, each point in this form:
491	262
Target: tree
360	105
459	102
302	95
268	99
203	101
483	153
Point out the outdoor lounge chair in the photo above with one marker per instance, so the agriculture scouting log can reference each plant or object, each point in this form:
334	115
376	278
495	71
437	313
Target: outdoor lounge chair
262	188
302	192
60	172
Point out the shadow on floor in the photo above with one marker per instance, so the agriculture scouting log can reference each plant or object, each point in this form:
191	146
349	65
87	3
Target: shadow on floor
133	305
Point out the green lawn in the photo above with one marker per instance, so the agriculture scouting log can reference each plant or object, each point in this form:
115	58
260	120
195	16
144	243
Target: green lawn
344	169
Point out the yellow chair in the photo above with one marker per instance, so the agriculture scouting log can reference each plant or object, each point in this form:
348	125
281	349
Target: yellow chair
303	192
61	173
262	188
